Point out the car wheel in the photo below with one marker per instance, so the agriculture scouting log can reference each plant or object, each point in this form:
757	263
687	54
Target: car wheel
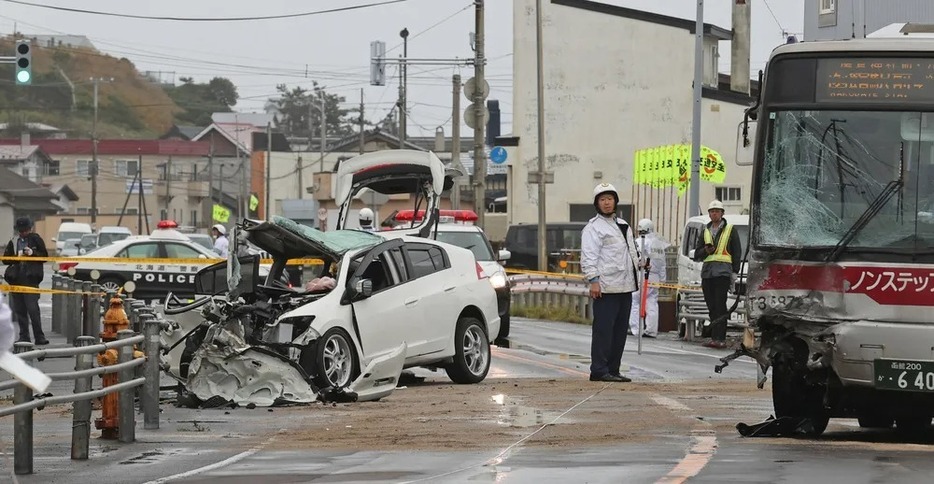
110	284
792	397
868	421
471	352
335	360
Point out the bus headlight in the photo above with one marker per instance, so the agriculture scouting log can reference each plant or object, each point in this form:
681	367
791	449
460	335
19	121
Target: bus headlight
498	280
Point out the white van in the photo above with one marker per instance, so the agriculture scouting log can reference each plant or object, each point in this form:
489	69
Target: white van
110	234
69	230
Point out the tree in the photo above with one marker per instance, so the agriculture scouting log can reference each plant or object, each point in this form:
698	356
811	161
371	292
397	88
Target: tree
200	101
300	114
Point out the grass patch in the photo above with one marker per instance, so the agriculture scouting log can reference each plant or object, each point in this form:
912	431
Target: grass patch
550	313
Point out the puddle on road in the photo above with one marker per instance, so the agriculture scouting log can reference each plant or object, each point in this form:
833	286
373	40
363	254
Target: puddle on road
152	456
514	414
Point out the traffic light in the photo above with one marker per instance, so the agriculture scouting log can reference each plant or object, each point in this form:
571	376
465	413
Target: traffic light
23	63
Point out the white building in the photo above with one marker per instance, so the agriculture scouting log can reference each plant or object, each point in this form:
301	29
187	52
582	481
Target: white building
616	80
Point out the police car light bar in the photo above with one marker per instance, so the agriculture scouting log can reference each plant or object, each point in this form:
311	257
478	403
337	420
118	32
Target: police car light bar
445	215
166	224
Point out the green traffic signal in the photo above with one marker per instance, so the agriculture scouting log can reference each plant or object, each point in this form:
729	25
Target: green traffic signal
23	63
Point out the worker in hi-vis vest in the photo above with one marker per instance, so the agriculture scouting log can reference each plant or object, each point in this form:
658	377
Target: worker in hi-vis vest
718	246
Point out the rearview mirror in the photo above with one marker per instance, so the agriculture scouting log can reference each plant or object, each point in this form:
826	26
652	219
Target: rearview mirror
362	289
745	142
504	255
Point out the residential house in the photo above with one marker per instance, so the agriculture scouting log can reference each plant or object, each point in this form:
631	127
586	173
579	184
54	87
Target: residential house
856	19
182	132
20	197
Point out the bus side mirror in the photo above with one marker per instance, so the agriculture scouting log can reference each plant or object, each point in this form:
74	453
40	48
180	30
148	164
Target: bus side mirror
745	142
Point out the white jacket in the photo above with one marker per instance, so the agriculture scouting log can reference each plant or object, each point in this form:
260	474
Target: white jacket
608	253
656	254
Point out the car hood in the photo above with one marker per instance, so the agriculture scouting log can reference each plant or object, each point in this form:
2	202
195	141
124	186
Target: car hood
282	237
391	172
490	267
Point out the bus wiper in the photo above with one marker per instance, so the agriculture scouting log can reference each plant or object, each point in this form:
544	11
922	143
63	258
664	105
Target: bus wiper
871	211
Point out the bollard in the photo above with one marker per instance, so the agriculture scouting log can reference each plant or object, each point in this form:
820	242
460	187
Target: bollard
95	308
85	310
68	312
115	321
152	328
138	308
56	304
22	423
81	420
75	319
127	417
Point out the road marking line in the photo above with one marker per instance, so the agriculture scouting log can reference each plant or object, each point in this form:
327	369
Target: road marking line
569	371
700	453
217	465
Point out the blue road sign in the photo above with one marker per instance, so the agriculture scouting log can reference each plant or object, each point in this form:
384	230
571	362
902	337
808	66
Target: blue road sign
498	155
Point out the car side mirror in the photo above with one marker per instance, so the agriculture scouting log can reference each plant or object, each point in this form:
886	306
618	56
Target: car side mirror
202	256
362	289
504	255
691	253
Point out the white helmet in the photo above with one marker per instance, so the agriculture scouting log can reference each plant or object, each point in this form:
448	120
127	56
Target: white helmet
604	188
366	215
715	205
220	228
646	226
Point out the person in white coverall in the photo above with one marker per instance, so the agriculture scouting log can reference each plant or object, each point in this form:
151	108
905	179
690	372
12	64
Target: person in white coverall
654	251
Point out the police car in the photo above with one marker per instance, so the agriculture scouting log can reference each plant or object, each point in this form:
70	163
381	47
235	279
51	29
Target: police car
153	279
456	227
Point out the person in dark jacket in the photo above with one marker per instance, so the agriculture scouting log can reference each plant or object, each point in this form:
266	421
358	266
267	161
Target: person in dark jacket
718	246
20	273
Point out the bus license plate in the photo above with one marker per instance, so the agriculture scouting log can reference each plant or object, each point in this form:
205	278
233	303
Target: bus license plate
909	376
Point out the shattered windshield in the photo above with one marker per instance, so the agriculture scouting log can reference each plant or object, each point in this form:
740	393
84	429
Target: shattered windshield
823	169
337	241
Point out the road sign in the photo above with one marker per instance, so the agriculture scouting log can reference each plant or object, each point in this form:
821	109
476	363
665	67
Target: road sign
498	155
470	115
470	89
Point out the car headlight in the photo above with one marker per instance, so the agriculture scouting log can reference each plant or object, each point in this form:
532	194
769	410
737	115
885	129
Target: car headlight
498	280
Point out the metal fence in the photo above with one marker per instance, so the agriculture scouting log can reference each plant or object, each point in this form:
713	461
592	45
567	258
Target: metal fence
78	317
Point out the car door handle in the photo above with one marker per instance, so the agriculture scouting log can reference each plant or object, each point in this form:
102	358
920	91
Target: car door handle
450	288
411	301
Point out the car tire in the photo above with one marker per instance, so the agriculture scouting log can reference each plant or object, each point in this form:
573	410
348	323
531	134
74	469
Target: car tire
331	361
471	352
872	421
792	397
110	283
504	324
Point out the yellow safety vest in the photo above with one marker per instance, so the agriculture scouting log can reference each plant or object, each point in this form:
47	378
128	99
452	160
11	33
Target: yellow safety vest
722	253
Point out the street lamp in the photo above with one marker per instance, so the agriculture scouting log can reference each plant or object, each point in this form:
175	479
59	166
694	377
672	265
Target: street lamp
403	73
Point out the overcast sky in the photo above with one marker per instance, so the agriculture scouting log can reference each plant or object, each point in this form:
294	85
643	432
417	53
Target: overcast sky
334	48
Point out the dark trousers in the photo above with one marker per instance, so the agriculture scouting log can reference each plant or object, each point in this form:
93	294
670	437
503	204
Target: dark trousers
610	326
715	294
25	310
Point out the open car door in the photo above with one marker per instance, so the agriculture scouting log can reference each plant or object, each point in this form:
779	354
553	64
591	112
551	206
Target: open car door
393	172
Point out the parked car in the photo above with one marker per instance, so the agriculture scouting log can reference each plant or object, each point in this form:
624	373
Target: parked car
402	301
70	247
204	240
522	244
69	230
87	244
110	234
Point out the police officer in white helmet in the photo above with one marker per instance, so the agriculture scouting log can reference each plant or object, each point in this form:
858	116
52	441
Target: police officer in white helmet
652	248
608	261
718	246
366	220
221	244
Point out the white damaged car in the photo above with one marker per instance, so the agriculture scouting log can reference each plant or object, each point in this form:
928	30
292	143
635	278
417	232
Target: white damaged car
390	304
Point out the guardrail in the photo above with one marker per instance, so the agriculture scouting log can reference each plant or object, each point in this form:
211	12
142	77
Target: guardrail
74	314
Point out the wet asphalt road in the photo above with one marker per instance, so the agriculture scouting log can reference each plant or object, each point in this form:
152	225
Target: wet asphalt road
213	446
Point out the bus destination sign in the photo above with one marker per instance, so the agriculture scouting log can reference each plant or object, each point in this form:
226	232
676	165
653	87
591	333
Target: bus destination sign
869	80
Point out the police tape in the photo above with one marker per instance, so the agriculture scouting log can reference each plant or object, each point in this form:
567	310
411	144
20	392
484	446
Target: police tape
151	260
10	288
664	285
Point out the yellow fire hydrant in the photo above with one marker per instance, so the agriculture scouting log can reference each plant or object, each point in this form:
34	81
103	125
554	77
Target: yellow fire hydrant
115	319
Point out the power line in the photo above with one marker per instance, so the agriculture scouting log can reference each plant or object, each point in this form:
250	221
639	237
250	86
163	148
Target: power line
445	19
766	2
204	19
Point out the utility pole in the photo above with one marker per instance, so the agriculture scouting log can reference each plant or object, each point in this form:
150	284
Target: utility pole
479	155
95	167
694	192
542	249
456	139
324	132
140	200
362	129
403	79
168	185
268	169
211	173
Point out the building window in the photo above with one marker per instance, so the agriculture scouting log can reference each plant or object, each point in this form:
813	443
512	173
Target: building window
194	218
828	6
126	168
51	168
87	211
163	214
729	194
82	167
129	211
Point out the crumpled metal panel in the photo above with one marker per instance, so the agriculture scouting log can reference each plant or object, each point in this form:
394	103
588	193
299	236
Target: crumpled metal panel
249	376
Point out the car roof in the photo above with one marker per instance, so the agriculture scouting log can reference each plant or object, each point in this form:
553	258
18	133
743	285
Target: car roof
117	246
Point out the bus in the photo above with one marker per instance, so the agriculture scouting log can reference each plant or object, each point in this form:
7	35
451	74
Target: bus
840	289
